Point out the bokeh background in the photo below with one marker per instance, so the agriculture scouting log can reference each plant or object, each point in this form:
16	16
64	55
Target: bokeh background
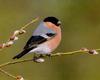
80	28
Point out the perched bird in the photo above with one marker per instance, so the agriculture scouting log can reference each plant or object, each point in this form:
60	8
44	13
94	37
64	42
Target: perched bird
44	39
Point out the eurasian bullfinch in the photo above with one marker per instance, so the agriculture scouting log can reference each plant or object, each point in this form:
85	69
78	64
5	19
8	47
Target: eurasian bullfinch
44	39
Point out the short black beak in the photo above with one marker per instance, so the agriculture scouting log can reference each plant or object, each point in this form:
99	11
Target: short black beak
59	23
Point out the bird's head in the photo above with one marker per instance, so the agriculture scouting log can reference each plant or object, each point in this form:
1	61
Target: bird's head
53	20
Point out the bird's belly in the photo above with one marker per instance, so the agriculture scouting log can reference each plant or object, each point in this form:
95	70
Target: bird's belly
41	49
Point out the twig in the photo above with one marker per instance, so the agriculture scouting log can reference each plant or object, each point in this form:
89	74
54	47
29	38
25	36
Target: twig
12	76
83	50
8	74
53	55
15	34
67	53
10	42
14	62
34	20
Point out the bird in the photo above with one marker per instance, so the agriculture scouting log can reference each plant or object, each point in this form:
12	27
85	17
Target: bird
45	39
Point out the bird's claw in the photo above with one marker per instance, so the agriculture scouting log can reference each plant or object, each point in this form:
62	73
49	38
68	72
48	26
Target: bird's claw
49	55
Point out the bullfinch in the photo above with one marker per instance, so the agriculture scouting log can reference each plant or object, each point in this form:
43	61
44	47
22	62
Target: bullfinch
44	39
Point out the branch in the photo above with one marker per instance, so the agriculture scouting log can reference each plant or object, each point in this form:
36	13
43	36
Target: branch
10	42
15	34
83	50
15	62
12	76
8	74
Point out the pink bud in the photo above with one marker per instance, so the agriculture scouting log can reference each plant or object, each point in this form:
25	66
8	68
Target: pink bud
2	45
93	52
84	49
12	37
19	78
16	32
22	31
9	43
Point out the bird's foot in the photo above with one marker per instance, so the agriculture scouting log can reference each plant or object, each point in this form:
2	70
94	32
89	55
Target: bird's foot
34	58
49	55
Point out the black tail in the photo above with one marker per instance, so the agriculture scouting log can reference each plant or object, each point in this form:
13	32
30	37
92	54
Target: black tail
21	54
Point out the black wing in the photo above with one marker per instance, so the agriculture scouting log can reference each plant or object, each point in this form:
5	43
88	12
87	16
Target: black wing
35	40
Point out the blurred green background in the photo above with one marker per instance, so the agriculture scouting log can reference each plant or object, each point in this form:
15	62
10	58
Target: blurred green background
80	28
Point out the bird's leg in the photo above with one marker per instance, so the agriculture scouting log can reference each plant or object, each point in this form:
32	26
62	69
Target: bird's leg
38	58
41	56
49	55
34	58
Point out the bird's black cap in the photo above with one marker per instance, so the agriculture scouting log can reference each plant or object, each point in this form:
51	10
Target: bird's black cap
54	20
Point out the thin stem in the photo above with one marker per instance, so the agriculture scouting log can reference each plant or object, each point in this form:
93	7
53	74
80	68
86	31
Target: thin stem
97	49
52	55
15	62
34	20
68	53
27	60
15	34
8	74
